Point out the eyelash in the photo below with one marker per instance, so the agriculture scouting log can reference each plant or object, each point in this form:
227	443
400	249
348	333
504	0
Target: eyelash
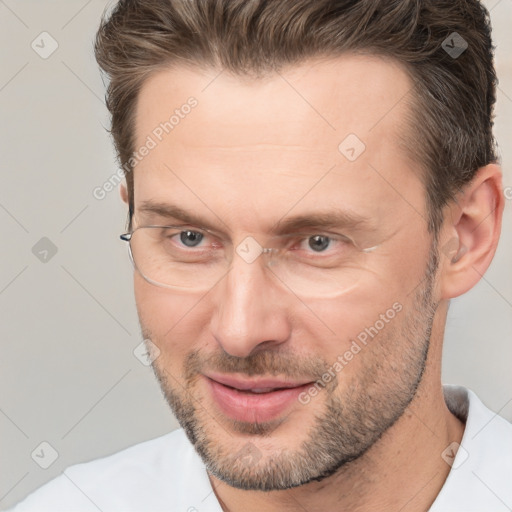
299	238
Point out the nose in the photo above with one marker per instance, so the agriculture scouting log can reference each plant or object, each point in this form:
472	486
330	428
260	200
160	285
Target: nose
250	311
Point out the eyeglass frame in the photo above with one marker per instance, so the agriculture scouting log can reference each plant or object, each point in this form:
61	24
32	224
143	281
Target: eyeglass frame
127	237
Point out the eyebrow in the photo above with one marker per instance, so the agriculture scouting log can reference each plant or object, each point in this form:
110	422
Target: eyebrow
323	219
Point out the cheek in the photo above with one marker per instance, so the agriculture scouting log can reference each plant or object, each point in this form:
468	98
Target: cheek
171	318
367	337
369	312
342	319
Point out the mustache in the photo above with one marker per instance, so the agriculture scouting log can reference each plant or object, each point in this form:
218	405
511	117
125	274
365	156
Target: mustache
262	363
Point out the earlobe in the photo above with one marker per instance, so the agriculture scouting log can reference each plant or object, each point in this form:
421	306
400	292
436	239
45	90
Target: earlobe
472	231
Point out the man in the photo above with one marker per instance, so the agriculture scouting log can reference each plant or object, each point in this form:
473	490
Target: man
309	184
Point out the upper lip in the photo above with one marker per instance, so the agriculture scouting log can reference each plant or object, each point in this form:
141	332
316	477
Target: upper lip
258	383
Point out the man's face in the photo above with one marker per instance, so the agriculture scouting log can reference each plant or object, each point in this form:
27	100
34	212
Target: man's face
248	157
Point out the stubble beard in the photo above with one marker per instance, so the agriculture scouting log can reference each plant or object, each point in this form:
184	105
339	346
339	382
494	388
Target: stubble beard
355	414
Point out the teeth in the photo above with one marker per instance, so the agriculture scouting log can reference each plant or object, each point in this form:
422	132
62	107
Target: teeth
261	390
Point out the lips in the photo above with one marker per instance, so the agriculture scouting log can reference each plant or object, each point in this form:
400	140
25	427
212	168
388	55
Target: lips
254	400
258	385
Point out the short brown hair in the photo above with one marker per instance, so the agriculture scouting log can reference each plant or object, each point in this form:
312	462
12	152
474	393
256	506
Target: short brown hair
452	111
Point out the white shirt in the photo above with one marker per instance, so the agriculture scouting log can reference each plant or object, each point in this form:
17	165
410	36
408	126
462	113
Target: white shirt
166	474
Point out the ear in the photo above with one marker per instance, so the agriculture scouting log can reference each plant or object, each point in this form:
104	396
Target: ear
123	191
471	232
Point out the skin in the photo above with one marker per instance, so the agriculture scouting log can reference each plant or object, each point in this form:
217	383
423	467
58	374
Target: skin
244	173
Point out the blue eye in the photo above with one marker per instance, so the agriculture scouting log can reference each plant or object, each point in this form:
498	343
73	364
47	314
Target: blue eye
319	242
321	247
191	238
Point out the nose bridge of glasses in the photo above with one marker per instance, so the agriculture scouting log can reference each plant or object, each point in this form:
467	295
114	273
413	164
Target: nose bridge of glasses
249	250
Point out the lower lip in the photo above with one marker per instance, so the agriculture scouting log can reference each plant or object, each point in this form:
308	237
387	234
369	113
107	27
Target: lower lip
254	407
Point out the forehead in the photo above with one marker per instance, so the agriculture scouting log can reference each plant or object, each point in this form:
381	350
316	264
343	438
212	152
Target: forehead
262	142
352	93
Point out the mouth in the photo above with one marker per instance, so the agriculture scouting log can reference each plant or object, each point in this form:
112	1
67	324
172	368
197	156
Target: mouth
254	400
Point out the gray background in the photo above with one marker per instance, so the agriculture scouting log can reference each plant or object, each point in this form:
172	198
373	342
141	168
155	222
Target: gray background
69	325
